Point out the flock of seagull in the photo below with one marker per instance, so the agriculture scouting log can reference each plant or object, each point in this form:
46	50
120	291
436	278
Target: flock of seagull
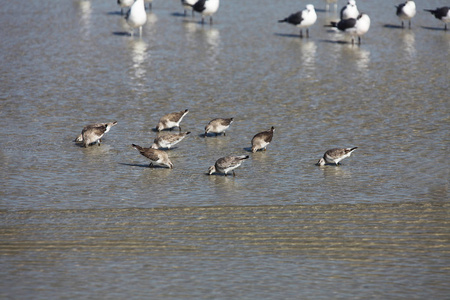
351	20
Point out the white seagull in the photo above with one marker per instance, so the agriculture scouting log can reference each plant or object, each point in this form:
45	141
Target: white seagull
187	4
302	19
406	11
442	13
353	27
207	8
226	164
349	11
137	16
335	155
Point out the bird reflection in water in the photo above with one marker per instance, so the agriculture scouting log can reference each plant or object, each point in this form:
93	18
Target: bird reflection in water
139	55
84	11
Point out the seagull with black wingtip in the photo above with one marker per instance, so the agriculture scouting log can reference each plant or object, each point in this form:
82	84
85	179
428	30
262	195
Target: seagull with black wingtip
302	19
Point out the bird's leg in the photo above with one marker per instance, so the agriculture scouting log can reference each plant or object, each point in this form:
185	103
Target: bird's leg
224	133
409	24
307	32
402	25
359	40
234	175
301	33
210	20
150	165
185	13
203	20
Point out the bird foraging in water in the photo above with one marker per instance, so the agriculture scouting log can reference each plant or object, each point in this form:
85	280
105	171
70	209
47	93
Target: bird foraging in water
354	27
169	140
406	11
262	140
171	120
226	164
302	19
157	157
335	155
218	126
137	16
442	13
93	133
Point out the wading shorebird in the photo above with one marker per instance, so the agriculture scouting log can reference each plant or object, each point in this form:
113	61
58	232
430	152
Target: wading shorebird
441	13
157	157
93	133
353	27
262	140
335	155
137	16
226	164
302	19
171	120
406	11
168	140
218	126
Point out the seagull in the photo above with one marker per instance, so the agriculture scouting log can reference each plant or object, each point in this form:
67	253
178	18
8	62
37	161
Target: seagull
218	126
262	140
328	2
406	11
206	8
335	155
349	11
136	16
442	13
157	157
226	164
124	3
302	19
168	140
171	120
187	4
354	27
93	133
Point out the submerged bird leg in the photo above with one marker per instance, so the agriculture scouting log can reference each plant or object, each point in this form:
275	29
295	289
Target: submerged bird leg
210	20
203	20
359	40
301	33
150	165
409	22
403	25
307	32
234	175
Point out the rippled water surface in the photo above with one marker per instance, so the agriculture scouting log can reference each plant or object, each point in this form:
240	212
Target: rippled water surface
98	223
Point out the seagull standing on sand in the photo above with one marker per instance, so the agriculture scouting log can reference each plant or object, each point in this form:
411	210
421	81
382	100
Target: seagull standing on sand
349	11
157	157
137	16
442	13
218	126
168	140
406	11
171	120
353	27
226	164
207	8
335	155
93	133
262	140
302	19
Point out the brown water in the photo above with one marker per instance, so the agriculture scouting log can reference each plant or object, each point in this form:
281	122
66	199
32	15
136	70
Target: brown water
97	223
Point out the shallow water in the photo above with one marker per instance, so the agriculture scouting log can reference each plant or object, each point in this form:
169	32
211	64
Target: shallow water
98	222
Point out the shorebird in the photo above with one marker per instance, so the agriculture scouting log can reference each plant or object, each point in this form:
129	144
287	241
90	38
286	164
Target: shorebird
218	126
93	133
168	140
302	19
353	27
207	8
335	155
406	11
262	140
187	4
226	164
123	4
137	16
171	120
441	13
349	11
157	157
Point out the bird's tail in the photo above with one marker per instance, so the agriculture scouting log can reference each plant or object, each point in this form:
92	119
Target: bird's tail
332	24
432	11
137	147
242	157
282	21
